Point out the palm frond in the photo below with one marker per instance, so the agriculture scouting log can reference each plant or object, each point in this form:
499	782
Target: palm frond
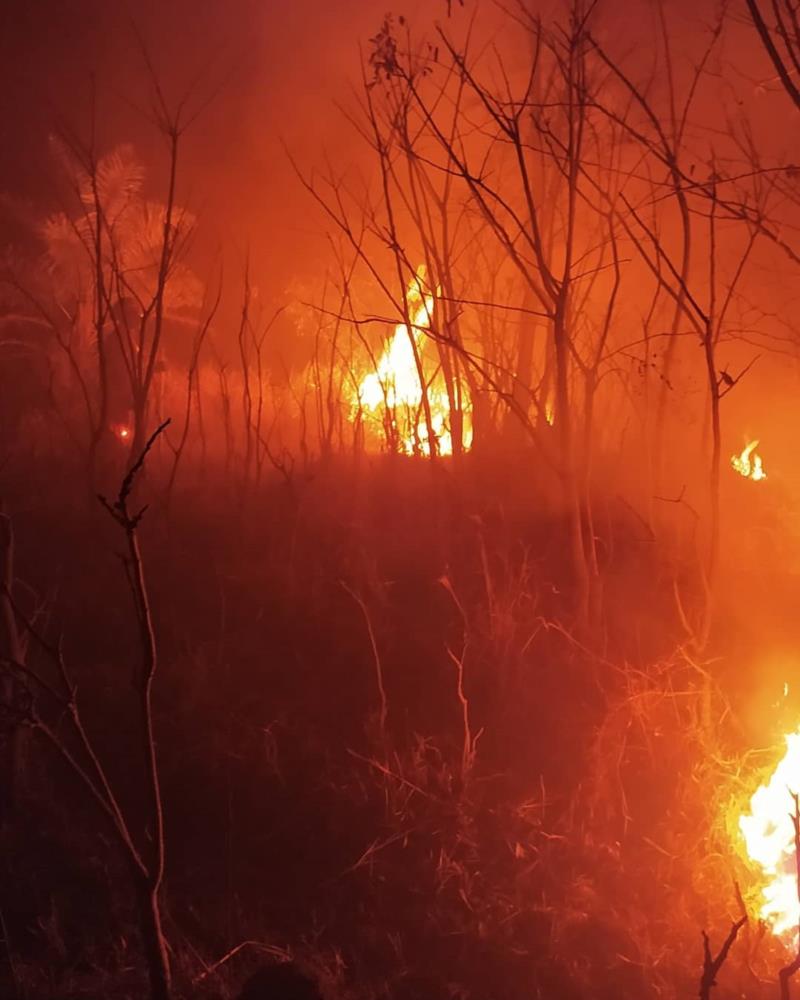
119	178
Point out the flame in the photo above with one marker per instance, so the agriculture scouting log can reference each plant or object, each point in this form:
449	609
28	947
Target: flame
749	464
394	388
768	832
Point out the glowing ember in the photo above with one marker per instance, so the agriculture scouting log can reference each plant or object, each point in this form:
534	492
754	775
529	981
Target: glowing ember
121	431
768	832
395	387
749	463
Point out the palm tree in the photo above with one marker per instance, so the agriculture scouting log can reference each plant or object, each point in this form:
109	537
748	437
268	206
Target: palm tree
108	277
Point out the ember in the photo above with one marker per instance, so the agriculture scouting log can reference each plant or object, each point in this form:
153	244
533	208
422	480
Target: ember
121	431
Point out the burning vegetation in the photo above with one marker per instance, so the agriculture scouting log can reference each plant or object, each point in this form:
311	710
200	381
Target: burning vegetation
749	463
381	615
392	396
770	836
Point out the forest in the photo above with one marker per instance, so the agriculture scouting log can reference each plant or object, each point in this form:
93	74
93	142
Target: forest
400	500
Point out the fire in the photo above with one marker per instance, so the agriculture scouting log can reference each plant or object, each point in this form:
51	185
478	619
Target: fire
769	837
749	464
394	389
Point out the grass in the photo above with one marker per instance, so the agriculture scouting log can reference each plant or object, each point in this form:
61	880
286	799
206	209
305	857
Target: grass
578	852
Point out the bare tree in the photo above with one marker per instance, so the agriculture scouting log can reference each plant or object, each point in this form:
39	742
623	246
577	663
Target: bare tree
781	41
54	713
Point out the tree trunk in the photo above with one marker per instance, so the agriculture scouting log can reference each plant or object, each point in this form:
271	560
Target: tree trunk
526	336
153	941
11	647
571	489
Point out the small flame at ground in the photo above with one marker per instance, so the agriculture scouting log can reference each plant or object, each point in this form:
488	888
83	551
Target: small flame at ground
749	464
395	384
768	832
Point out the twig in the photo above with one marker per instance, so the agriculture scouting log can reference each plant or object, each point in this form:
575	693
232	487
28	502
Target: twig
391	774
384	703
711	966
282	954
119	509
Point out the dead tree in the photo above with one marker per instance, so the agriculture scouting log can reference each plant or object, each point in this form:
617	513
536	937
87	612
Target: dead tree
699	297
54	713
192	388
439	172
712	964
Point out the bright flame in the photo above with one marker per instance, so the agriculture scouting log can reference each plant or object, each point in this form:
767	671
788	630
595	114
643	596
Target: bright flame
749	464
395	385
768	832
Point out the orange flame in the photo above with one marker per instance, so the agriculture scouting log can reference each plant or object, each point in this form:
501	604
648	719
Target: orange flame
768	832
749	464
395	386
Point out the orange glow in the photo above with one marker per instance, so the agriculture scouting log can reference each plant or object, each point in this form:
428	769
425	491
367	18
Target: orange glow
768	832
121	431
749	464
394	388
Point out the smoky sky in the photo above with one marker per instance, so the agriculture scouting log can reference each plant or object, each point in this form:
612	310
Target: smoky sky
269	74
274	74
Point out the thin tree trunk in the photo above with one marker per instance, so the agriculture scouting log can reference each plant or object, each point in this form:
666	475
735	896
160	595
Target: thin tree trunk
563	421
10	646
153	941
